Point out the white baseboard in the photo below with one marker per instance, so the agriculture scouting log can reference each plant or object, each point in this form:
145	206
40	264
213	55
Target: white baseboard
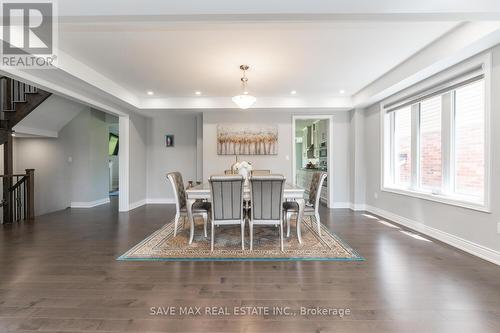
357	207
341	205
455	241
350	205
89	204
154	201
136	204
150	201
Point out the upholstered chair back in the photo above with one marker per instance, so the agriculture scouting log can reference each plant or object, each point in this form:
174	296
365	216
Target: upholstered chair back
226	193
267	197
315	189
261	172
179	190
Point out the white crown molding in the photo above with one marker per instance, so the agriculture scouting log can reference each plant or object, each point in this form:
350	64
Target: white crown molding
341	103
92	10
89	204
455	241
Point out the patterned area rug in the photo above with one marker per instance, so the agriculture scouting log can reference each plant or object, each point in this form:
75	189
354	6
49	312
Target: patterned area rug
163	246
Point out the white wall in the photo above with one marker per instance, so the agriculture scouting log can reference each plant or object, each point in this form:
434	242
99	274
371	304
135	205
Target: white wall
357	163
58	182
471	230
138	159
281	163
161	160
86	143
47	157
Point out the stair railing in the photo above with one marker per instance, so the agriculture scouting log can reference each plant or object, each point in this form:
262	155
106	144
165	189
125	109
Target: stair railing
13	91
18	203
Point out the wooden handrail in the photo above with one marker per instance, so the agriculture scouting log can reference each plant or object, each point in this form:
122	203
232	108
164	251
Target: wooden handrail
19	198
19	182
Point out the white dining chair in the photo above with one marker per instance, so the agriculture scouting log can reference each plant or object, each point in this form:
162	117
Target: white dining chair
312	204
199	207
226	194
266	193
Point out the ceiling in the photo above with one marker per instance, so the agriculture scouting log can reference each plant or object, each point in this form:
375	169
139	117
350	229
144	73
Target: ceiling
334	54
49	117
315	59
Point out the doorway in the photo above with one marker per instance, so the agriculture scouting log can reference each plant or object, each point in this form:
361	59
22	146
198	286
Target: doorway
312	139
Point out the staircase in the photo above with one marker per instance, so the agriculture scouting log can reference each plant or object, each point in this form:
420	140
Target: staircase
17	100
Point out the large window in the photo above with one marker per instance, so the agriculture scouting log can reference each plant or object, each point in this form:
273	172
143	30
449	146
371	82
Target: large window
431	171
435	144
402	136
469	140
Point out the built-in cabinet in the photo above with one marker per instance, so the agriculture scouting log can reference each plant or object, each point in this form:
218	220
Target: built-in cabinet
320	135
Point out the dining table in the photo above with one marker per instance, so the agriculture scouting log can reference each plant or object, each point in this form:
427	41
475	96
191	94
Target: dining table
202	192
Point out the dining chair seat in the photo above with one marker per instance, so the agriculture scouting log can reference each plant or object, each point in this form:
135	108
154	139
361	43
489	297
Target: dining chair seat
292	206
199	207
312	205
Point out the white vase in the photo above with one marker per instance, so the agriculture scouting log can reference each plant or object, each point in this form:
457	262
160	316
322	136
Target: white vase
245	173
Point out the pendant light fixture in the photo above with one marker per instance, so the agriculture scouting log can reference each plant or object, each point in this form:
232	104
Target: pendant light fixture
244	101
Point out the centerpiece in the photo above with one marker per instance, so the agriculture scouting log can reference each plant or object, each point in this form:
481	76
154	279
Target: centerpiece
242	168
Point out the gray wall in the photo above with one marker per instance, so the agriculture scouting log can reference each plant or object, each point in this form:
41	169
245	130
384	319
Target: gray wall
474	226
161	160
138	158
357	163
281	163
59	182
184	156
47	157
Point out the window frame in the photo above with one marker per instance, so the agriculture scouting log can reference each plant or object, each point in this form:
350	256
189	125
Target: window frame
446	196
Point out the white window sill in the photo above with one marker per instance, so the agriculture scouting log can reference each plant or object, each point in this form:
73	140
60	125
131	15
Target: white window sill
445	199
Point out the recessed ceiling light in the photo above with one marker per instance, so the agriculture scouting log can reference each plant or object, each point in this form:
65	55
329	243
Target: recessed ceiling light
197	92
293	92
150	93
342	91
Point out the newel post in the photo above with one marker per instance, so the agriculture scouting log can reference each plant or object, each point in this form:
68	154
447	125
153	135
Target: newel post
30	204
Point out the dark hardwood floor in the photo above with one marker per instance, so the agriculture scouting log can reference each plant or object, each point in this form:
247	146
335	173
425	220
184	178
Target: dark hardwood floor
59	274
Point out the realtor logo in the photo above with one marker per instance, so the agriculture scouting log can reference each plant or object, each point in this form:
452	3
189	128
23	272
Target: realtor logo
28	38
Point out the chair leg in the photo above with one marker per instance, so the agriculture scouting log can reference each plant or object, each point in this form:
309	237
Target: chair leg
288	222
243	235
212	238
318	222
176	221
251	236
205	221
281	236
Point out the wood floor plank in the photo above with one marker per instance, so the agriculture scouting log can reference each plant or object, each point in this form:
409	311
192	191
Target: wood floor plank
60	274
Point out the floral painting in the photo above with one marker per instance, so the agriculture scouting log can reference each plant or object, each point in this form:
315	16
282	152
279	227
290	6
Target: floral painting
236	139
